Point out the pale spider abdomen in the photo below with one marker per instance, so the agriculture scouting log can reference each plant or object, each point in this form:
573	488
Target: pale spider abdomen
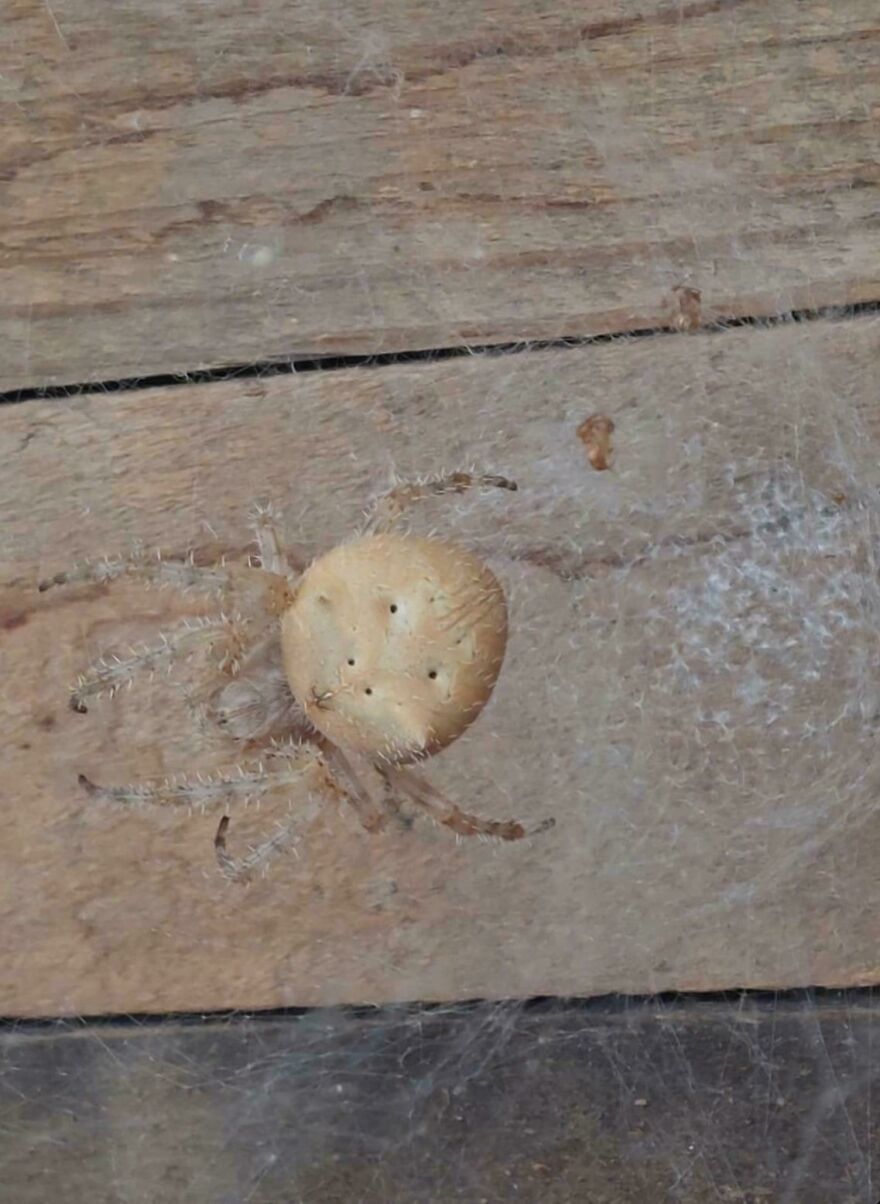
393	644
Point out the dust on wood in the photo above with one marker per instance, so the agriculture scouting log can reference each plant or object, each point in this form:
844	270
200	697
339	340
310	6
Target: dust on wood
595	433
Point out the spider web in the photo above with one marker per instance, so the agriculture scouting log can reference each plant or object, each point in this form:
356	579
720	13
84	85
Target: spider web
690	691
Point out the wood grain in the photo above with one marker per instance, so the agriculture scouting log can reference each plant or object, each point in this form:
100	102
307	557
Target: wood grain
186	185
690	689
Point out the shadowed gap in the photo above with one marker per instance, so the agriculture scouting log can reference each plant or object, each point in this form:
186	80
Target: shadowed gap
821	998
334	363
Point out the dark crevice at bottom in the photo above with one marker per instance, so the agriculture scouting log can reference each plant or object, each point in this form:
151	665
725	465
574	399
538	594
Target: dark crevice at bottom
335	363
601	1006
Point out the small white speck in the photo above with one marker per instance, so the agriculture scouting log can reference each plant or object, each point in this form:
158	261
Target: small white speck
257	256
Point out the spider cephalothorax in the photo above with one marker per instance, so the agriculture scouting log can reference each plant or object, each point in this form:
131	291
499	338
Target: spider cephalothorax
385	649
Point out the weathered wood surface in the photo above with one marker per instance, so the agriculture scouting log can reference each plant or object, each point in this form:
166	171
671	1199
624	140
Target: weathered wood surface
690	689
733	1102
187	185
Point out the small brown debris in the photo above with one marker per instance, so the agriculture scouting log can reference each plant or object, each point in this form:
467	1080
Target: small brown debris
595	433
687	303
838	498
10	619
383	419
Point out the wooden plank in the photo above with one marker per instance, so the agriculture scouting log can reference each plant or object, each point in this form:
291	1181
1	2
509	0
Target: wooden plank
744	1102
690	687
186	185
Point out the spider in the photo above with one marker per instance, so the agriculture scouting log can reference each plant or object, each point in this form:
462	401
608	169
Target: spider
381	651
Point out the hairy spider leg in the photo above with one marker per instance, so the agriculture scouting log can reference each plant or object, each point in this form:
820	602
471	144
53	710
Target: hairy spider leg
371	815
389	508
269	544
231	634
282	766
240	869
443	811
151	568
110	673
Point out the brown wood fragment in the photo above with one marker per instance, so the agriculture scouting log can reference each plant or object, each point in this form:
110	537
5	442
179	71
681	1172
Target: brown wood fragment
595	433
687	303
